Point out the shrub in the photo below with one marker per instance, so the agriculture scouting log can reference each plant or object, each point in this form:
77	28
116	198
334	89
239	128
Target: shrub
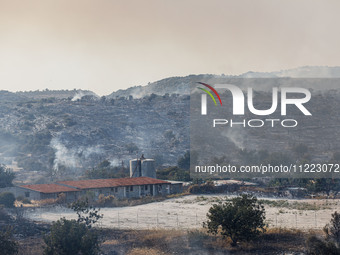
69	237
6	177
315	246
105	200
203	188
86	214
7	245
4	215
173	173
61	199
20	198
7	199
332	229
24	200
240	219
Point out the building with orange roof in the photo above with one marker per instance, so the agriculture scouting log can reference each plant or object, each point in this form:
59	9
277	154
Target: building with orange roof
132	187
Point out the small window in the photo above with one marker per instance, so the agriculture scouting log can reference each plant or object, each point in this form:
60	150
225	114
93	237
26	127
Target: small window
116	190
146	187
27	194
127	188
131	188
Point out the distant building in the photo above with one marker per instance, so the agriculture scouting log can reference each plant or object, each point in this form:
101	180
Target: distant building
45	191
118	187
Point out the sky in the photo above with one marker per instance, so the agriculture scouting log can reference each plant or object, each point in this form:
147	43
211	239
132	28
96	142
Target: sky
106	45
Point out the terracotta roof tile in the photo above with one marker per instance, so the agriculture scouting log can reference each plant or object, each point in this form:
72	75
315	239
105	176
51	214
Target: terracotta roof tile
116	182
49	188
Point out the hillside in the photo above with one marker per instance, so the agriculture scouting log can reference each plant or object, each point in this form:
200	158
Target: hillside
60	133
181	85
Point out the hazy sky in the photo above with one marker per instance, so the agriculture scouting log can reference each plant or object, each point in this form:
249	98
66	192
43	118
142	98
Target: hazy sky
106	45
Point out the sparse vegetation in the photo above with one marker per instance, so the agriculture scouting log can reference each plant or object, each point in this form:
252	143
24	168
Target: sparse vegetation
173	173
329	246
8	245
210	188
23	200
294	205
316	246
161	241
86	213
106	170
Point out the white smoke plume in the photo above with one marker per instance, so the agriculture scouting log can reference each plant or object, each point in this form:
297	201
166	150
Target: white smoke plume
115	162
71	157
236	136
78	96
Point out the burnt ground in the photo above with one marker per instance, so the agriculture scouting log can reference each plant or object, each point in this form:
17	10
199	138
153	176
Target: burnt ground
133	242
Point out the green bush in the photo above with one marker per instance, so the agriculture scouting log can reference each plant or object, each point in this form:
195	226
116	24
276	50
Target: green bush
7	199
69	237
241	219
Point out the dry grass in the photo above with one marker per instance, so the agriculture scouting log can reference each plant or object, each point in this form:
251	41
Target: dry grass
164	242
143	251
31	246
110	201
274	241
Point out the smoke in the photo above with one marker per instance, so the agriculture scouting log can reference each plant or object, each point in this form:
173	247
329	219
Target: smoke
71	157
114	162
78	96
63	156
236	136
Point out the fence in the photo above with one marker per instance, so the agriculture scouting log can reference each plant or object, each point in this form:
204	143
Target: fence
184	218
303	220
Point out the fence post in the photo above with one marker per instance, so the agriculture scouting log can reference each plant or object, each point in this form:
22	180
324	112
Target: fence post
118	220
316	223
275	220
296	220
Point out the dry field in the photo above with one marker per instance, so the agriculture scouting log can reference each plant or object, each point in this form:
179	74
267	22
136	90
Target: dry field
194	242
190	211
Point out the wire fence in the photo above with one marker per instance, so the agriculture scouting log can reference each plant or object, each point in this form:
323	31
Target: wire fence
303	220
184	218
